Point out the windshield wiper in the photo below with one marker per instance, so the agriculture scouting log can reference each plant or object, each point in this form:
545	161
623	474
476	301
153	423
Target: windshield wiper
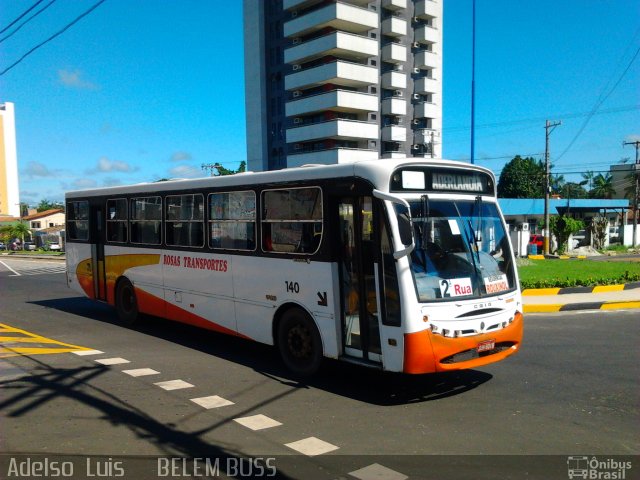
469	241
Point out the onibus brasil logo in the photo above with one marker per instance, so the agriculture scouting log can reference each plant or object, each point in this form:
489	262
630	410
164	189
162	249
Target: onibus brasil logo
593	468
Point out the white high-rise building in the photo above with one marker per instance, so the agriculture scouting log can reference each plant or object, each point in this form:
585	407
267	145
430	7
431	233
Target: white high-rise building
331	81
9	192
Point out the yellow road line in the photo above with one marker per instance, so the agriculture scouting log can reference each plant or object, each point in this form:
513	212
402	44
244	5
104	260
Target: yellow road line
617	305
28	337
608	288
541	308
529	292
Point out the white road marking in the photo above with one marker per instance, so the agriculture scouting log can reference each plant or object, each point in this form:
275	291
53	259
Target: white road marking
82	353
112	361
257	422
174	385
141	372
213	401
377	472
311	446
16	274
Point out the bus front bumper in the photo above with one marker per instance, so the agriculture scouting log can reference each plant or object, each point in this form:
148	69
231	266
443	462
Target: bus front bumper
426	352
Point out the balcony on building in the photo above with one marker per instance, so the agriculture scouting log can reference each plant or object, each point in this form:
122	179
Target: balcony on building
427	34
394	133
336	72
340	44
426	85
427	110
391	80
335	129
394	106
341	16
337	100
427	9
394	4
394	53
394	27
332	156
426	60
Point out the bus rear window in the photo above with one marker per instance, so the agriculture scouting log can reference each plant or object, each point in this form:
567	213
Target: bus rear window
292	220
78	220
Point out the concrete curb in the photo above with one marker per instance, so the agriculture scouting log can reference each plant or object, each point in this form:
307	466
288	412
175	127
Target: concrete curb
529	292
569	307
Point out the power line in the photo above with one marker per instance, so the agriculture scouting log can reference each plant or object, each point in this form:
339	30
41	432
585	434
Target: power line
532	120
28	20
60	32
600	101
22	15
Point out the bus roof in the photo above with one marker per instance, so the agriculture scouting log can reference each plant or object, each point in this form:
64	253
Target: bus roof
376	171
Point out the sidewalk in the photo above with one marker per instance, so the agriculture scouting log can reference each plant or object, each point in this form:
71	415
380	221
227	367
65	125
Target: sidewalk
608	297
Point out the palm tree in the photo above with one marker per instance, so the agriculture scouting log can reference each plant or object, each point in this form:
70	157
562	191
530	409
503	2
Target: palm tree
19	230
588	176
557	183
602	186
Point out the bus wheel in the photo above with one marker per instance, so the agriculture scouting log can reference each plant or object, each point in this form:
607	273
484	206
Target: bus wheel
126	304
299	342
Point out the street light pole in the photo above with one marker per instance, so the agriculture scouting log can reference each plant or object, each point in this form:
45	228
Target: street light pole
473	82
549	127
636	191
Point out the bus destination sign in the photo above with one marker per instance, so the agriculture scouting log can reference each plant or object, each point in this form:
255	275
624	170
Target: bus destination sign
417	179
457	182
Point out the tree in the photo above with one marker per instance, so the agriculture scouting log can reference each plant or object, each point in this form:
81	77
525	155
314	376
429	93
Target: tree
522	178
557	184
225	171
562	227
599	229
575	190
17	230
45	205
602	186
588	176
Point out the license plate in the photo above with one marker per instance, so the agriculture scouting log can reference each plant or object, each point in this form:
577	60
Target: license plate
486	346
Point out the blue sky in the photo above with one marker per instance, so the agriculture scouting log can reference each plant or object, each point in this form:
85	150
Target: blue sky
138	91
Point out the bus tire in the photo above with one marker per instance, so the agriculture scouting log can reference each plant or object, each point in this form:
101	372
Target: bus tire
299	342
126	303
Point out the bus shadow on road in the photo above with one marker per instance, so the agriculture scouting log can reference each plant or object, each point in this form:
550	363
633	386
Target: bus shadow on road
368	385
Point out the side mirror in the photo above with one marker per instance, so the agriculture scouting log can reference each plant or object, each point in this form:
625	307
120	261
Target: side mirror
403	234
404	224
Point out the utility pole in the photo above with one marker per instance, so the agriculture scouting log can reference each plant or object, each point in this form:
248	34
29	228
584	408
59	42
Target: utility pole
473	84
548	128
636	191
210	167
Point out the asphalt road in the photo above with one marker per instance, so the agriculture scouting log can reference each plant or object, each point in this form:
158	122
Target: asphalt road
571	391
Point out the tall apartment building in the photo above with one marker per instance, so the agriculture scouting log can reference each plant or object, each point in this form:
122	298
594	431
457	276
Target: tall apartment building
335	81
9	193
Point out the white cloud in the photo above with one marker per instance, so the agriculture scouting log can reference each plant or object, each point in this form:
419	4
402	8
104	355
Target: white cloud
181	156
84	183
632	138
105	165
73	79
185	171
37	169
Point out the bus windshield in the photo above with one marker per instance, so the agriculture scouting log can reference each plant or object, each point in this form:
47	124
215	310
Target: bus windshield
461	250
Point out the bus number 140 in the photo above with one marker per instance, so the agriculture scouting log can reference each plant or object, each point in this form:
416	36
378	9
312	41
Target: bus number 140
293	287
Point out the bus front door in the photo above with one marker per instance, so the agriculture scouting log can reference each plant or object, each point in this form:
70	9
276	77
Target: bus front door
97	253
361	335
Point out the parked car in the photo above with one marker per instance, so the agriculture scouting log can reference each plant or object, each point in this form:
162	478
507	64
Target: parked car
55	247
30	246
2	246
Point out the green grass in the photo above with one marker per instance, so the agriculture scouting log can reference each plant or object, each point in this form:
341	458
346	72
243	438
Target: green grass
34	252
572	273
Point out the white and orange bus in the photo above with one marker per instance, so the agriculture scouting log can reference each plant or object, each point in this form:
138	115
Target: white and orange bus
404	265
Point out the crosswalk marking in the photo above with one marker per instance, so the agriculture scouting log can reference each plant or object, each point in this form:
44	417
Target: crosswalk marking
29	268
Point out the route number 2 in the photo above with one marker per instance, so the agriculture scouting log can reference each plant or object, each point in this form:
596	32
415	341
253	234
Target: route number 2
293	287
